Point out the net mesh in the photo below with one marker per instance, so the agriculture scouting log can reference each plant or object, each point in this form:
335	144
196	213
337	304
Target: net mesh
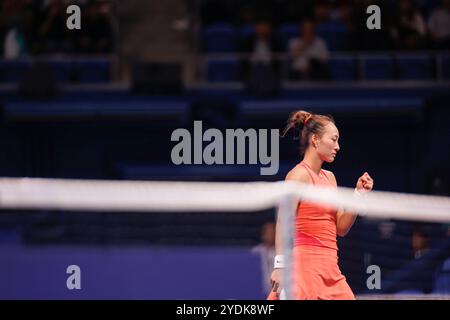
406	235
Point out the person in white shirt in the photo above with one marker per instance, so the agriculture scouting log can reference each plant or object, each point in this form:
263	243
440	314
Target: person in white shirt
266	251
439	26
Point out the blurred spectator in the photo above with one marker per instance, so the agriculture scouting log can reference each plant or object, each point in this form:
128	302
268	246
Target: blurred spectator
410	30
260	48
439	26
266	250
53	33
419	243
309	55
260	68
14	44
16	19
96	35
344	13
322	11
437	183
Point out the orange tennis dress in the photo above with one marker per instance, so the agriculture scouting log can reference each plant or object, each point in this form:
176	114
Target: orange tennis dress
316	274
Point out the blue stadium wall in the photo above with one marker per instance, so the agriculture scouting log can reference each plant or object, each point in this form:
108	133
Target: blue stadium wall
398	135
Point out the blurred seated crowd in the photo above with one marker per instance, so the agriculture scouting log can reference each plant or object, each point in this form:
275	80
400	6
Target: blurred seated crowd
405	24
306	33
29	27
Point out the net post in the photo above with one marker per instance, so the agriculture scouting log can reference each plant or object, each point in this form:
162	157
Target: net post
286	210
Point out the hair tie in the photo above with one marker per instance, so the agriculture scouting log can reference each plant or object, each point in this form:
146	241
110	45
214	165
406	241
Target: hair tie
307	119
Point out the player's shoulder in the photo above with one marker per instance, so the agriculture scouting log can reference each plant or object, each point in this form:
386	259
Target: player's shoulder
299	173
330	175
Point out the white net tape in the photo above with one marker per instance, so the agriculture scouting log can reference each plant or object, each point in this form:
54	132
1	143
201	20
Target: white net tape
145	196
159	196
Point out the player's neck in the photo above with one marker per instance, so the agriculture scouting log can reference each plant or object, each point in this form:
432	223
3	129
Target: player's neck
313	161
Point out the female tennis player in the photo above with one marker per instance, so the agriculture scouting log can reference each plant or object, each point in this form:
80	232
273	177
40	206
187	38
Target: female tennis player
315	269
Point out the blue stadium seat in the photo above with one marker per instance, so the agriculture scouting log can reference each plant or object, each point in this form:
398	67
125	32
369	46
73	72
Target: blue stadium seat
12	71
415	67
223	70
380	67
246	31
343	68
445	60
409	292
220	37
288	31
92	71
62	70
335	35
442	279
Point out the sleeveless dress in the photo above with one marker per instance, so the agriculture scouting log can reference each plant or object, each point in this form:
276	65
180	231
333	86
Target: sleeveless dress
315	271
